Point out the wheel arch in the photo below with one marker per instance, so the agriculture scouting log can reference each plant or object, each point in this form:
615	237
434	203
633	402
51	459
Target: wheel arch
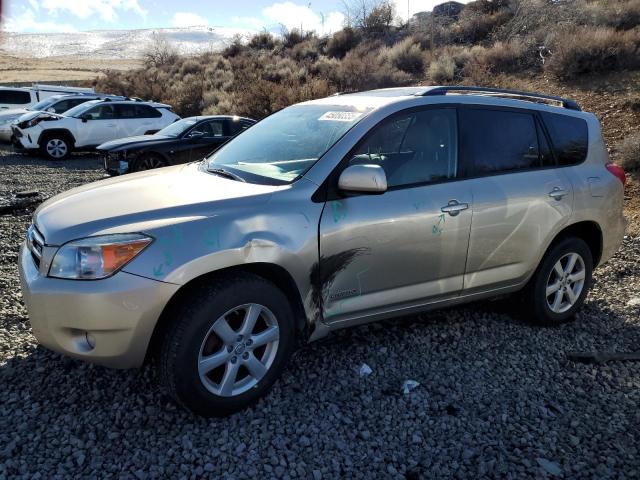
56	131
587	230
276	274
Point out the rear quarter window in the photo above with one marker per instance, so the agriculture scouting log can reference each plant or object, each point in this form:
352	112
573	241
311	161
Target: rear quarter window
14	97
569	136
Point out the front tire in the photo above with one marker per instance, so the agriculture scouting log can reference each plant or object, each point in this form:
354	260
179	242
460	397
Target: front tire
148	161
56	147
228	343
561	283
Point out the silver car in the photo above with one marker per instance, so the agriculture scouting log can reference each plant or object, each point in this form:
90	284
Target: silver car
327	214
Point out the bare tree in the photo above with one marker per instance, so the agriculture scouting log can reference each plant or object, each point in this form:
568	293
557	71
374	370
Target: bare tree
159	52
372	16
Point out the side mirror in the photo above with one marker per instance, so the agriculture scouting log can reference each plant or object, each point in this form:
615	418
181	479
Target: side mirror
363	179
85	118
196	134
51	110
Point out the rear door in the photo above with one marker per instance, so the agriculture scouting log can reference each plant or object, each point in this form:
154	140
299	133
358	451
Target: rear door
408	246
520	197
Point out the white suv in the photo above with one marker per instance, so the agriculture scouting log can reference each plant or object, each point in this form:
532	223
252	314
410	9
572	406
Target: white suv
89	125
54	104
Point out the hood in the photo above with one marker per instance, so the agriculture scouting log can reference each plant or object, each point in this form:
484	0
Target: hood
31	115
134	142
142	201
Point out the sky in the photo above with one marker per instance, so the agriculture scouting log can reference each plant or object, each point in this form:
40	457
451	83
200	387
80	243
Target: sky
53	16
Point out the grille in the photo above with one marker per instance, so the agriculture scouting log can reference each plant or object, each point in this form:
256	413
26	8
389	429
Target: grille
35	242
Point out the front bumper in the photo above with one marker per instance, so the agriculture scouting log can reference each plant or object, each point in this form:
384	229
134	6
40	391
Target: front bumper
23	140
117	314
115	164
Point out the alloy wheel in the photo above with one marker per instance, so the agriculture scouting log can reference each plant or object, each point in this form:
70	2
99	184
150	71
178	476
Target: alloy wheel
150	162
565	283
238	350
56	148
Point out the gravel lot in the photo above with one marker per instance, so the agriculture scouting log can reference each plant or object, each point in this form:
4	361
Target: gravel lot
497	398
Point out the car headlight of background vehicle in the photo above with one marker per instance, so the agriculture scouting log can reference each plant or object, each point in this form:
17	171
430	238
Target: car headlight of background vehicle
93	258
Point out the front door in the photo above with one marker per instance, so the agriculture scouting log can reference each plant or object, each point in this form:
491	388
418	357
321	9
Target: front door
408	246
214	136
99	126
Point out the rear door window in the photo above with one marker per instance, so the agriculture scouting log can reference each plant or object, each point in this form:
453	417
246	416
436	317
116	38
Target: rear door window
14	97
145	111
126	111
496	141
569	136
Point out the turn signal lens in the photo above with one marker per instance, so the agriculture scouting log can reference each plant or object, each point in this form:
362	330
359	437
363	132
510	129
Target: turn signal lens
93	258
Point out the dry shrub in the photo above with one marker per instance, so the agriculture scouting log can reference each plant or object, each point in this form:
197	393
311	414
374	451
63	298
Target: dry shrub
407	56
342	42
587	50
618	14
474	26
629	153
364	69
442	69
504	57
262	41
306	50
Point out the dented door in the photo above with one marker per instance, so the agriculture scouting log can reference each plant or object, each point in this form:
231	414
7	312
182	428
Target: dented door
396	250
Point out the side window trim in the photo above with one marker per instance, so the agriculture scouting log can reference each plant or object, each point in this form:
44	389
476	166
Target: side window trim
328	190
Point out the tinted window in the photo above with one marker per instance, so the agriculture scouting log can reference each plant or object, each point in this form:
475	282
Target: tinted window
101	112
145	111
214	128
65	105
14	97
126	111
494	141
413	148
569	137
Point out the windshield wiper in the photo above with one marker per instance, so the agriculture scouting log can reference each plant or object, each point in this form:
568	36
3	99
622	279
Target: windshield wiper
226	173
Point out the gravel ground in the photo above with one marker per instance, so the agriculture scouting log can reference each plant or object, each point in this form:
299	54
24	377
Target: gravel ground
496	398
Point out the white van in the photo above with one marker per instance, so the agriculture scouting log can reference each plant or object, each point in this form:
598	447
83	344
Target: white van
23	97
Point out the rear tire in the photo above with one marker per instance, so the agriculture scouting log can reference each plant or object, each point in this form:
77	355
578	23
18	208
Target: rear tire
561	283
228	343
56	146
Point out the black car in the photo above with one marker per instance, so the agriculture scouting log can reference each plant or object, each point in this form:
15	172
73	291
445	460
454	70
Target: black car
184	141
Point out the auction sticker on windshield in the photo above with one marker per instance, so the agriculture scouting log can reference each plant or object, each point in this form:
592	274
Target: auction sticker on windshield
340	116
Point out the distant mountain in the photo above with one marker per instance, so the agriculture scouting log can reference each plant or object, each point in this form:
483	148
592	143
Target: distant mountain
114	43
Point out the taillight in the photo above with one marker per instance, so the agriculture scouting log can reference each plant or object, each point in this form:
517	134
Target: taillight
618	171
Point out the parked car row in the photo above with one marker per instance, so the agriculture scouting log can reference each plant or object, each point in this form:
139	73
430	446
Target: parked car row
131	134
184	141
24	97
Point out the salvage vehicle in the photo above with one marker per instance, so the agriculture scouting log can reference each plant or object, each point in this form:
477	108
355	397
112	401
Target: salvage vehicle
54	104
186	140
324	215
88	125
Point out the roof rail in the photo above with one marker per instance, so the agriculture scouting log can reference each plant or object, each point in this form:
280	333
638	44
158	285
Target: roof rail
500	92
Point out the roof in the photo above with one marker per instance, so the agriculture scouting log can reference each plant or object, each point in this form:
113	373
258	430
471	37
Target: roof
380	97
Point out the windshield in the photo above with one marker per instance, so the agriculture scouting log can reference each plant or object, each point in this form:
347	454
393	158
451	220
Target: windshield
80	109
42	105
178	128
285	145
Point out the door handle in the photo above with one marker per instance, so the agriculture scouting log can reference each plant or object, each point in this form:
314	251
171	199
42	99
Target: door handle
454	207
558	193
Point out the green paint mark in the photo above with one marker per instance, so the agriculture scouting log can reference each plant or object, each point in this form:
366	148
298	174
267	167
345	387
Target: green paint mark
157	271
438	227
339	213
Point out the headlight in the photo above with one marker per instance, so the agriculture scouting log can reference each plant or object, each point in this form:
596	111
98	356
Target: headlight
93	258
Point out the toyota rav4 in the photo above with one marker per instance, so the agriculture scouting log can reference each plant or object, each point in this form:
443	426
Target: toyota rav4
88	125
327	214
